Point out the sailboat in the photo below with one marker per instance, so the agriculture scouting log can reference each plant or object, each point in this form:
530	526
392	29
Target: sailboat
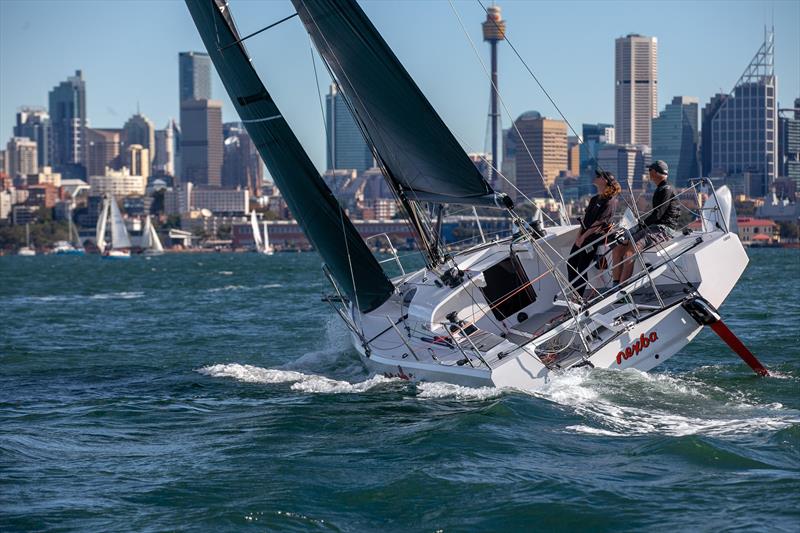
151	244
27	250
73	246
262	246
119	247
500	313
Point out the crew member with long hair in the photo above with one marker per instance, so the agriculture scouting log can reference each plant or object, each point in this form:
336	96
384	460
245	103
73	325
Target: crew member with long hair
596	221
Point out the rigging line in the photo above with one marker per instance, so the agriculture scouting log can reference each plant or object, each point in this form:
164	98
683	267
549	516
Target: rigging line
257	32
341	209
502	102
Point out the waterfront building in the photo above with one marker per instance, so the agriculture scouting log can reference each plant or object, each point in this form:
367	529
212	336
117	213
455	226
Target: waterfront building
194	76
5	204
757	231
102	150
164	160
241	163
21	154
541	152
201	142
68	119
140	130
23	214
117	183
3	163
635	88
43	195
707	115
45	175
186	197
346	147
137	159
627	162
675	139
34	123
789	144
744	128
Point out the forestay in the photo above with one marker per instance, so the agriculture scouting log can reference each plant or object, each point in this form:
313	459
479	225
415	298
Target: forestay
325	224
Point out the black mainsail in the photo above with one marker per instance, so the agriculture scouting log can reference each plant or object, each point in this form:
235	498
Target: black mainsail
324	222
417	150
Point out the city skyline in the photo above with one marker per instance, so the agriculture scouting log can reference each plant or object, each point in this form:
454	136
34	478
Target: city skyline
446	70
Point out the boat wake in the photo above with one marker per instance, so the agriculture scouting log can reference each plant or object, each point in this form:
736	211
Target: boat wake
123	295
244	287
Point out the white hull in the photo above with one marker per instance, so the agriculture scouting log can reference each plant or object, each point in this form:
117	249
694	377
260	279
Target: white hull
497	354
117	254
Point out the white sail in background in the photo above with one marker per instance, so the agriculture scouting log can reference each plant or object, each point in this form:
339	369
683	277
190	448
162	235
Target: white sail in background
100	238
256	232
267	247
150	241
119	233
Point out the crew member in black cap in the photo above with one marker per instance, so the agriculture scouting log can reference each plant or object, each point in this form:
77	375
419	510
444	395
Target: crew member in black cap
657	227
596	221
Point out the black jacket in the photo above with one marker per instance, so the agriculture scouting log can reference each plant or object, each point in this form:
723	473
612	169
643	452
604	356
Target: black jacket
599	214
665	207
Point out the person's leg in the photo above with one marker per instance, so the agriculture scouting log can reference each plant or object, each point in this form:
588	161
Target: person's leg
617	255
627	264
584	260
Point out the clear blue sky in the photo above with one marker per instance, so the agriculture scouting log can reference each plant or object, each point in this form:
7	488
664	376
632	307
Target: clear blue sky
128	51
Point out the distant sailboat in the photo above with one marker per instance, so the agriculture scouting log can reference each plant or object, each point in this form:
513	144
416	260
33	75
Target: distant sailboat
151	244
27	250
120	245
262	245
73	246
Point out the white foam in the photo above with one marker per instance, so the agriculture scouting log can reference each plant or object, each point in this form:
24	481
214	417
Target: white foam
124	295
448	390
244	287
310	383
225	273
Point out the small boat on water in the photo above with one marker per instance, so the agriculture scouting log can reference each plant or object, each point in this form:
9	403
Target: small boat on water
151	244
67	247
27	250
501	312
262	245
118	246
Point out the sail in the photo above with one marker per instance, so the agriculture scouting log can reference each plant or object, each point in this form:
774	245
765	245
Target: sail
267	247
146	237
100	230
256	231
324	222
155	242
414	145
119	233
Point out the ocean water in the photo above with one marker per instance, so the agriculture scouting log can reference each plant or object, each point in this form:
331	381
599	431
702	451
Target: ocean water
217	393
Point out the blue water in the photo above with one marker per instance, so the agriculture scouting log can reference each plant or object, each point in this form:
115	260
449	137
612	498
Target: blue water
216	392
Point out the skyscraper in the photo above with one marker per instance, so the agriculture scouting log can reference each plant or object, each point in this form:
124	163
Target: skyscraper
789	144
34	123
164	160
241	164
140	130
201	142
347	148
102	150
194	76
137	159
627	162
675	139
636	88
546	139
68	119
744	130
22	157
708	114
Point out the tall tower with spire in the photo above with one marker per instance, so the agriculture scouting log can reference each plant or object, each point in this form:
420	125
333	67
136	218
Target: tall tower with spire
494	30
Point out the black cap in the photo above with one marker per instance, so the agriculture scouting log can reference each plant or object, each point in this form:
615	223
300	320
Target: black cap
660	167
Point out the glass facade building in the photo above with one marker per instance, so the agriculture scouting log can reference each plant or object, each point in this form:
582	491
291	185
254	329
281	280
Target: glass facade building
346	148
675	139
194	76
68	118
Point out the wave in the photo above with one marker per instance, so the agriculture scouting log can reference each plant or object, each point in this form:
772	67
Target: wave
311	383
122	295
439	390
244	287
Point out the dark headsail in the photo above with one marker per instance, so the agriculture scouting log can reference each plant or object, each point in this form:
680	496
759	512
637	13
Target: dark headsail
415	147
309	199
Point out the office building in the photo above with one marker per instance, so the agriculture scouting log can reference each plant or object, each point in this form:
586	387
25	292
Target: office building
140	130
117	183
541	153
164	160
789	144
22	159
102	150
627	162
137	159
635	88
186	197
34	123
194	76
45	175
675	139
744	130
347	148
201	142
595	137
707	115
68	119
241	164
